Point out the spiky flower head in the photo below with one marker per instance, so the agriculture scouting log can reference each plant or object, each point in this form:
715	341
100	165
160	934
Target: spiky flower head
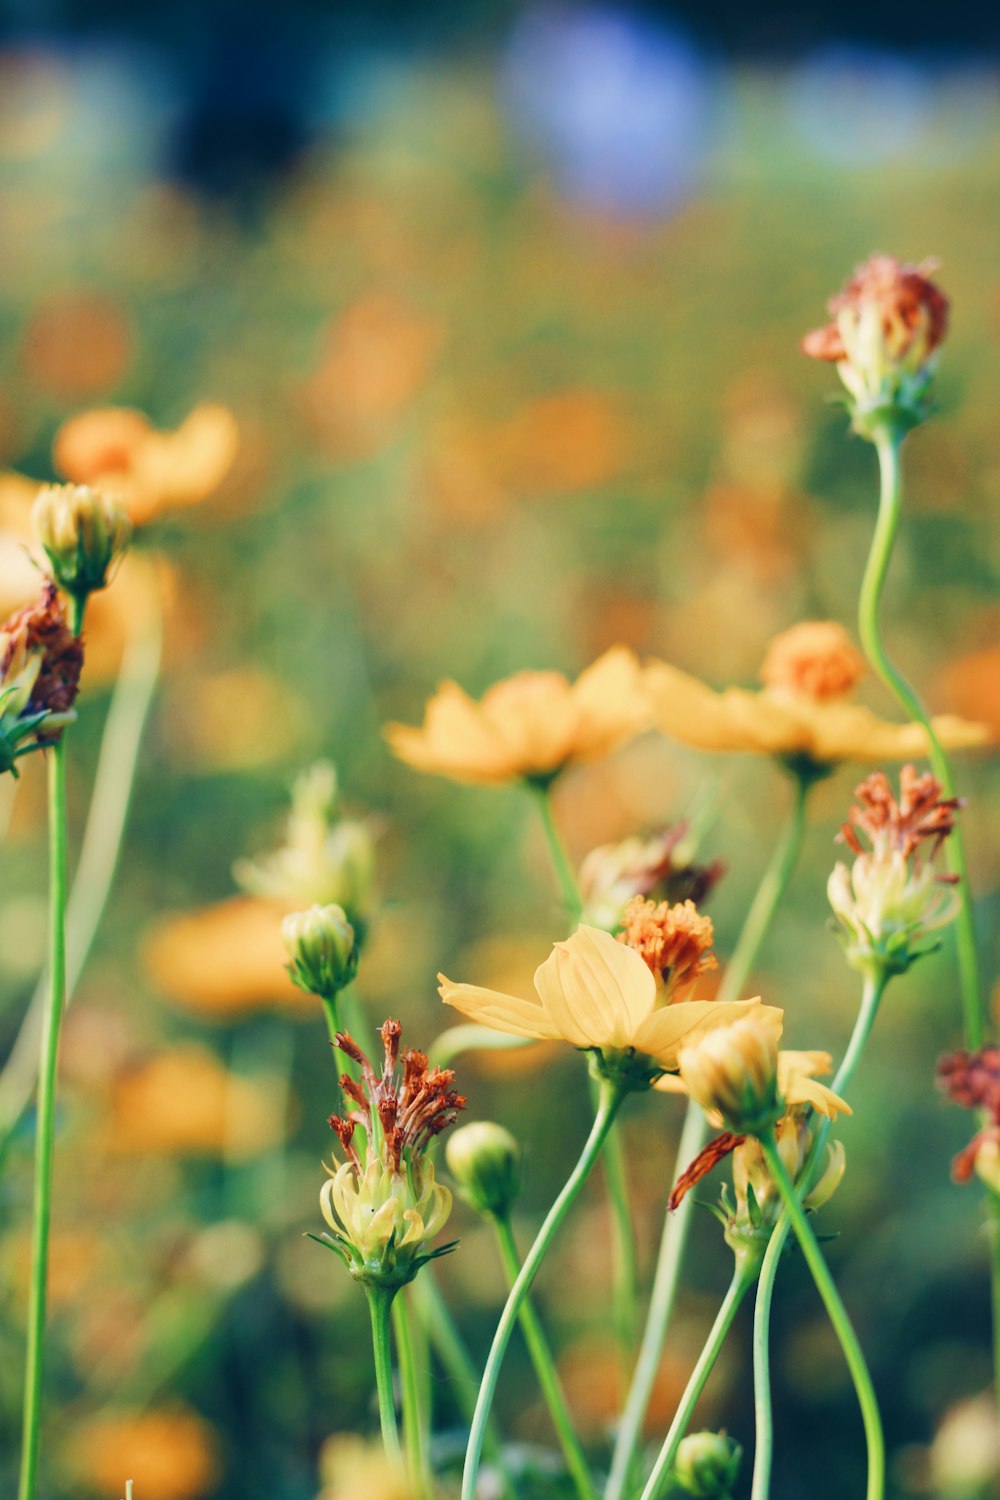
892	897
322	950
485	1161
888	323
707	1465
382	1203
40	664
659	867
673	941
972	1079
84	533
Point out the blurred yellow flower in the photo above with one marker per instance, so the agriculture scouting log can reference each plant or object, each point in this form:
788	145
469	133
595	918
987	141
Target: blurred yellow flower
184	1103
119	451
352	1469
528	726
803	712
596	993
171	1455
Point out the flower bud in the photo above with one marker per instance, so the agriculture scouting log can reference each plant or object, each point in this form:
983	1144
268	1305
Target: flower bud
733	1072
84	533
485	1161
321	946
707	1465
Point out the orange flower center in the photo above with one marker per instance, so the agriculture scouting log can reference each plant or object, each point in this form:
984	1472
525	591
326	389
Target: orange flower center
675	942
813	660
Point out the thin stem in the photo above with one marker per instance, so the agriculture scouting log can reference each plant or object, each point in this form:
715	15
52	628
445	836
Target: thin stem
611	1098
45	1142
545	1369
743	1278
875	1489
561	862
888	446
770	892
871	998
379	1305
332	1019
415	1435
99	852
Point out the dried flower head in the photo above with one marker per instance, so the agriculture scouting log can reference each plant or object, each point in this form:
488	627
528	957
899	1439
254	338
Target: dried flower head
814	659
892	897
382	1203
889	321
674	942
40	664
972	1079
658	866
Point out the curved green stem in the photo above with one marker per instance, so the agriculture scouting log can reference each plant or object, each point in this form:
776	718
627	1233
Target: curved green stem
45	1142
611	1098
545	1369
888	446
99	852
770	892
379	1305
837	1313
763	1418
561	862
415	1435
743	1278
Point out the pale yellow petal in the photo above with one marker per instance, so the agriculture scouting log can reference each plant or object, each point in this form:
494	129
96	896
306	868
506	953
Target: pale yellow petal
610	703
503	1012
663	1034
453	741
596	991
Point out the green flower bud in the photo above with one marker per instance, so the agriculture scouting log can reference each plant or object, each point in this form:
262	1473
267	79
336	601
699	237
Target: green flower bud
485	1161
84	534
707	1465
321	945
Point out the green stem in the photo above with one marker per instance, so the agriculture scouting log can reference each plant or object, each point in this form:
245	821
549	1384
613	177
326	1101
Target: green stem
743	1278
379	1305
888	446
871	997
332	1025
770	892
545	1370
624	1260
415	1435
611	1098
102	842
448	1345
45	1142
837	1313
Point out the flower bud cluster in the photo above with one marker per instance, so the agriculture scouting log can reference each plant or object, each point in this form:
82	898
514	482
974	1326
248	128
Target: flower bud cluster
382	1202
892	898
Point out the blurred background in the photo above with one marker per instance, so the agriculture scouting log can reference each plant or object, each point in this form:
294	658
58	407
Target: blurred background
504	302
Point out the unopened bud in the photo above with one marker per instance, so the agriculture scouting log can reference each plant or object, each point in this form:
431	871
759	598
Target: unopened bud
84	534
707	1465
321	945
733	1073
485	1161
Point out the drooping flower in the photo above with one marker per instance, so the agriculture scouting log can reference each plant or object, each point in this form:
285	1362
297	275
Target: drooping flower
892	897
888	323
972	1079
40	664
600	995
658	866
382	1203
803	716
529	726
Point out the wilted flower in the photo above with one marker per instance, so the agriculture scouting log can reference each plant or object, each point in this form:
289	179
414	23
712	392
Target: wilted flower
528	727
383	1204
803	716
733	1073
891	899
707	1465
84	534
655	866
40	664
326	860
485	1161
601	996
322	948
888	323
972	1079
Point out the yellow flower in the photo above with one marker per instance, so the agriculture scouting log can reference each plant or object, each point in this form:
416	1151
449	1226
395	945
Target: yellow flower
351	1467
597	994
803	714
742	1081
171	1454
382	1208
530	726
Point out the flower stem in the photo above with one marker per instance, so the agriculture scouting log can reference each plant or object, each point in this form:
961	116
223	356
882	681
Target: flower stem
379	1305
561	862
545	1370
415	1435
888	446
611	1098
770	892
45	1141
837	1313
871	998
743	1278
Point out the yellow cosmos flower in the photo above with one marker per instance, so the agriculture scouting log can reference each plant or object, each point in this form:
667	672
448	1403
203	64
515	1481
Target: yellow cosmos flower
597	994
531	725
795	1073
802	714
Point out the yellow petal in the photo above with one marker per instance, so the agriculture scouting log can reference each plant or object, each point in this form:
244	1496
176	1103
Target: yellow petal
596	991
667	1031
502	1012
